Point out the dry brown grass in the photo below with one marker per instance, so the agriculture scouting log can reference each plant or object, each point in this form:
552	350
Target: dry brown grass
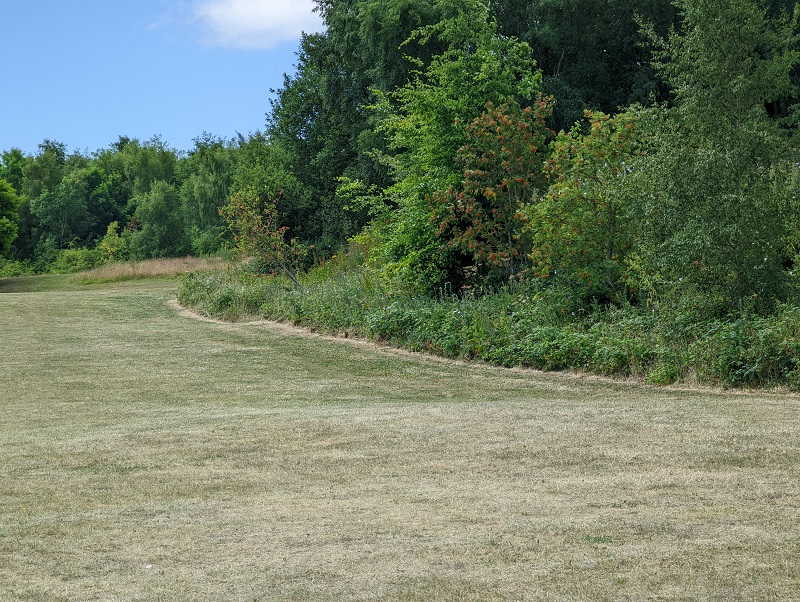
145	455
130	270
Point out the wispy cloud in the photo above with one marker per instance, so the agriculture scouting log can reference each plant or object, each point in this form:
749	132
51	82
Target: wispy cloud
255	24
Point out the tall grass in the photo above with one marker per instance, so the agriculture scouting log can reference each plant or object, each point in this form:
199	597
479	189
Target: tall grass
150	268
519	325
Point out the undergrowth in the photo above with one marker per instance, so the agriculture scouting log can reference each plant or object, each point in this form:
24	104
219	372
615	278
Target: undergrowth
519	325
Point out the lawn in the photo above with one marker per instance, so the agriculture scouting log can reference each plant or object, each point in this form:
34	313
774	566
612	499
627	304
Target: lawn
146	455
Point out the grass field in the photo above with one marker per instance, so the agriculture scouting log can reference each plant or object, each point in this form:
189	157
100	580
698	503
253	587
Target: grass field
149	455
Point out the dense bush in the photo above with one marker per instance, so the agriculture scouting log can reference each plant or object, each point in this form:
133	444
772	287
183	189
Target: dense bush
70	261
517	326
10	269
751	350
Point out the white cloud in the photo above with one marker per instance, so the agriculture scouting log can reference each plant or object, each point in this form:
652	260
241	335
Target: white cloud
256	24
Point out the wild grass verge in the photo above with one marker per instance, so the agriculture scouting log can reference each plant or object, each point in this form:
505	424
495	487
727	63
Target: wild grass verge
519	326
110	272
150	268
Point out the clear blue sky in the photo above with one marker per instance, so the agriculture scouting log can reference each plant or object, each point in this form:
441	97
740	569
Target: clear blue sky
84	72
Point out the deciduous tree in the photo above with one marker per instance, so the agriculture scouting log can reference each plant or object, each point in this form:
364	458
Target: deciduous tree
257	235
426	122
502	171
715	189
9	217
581	227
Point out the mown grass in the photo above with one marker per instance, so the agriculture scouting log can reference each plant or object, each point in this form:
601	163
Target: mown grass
32	284
112	272
146	455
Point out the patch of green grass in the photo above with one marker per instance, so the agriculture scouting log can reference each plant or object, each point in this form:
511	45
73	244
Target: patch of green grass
35	284
597	538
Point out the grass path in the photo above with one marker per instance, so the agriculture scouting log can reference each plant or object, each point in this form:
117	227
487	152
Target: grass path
145	455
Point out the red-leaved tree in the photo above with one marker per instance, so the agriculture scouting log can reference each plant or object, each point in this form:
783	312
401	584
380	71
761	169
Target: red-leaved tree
502	170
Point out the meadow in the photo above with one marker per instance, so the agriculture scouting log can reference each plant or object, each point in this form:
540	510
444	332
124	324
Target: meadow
148	454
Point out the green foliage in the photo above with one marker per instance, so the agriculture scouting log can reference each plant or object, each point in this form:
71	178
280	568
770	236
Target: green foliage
502	166
44	172
714	190
160	221
425	122
144	163
257	235
12	168
369	38
581	229
230	295
61	213
316	123
518	326
113	246
751	350
591	52
10	268
70	261
207	175
265	167
9	216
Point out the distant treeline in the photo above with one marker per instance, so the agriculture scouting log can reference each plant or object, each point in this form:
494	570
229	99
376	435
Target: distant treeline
132	200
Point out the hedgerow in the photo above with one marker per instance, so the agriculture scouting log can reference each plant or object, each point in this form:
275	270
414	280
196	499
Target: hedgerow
518	326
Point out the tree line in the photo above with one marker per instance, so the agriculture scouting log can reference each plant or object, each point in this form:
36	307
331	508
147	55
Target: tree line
618	150
133	200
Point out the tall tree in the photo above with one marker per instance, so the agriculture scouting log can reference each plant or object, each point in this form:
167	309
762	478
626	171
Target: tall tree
12	168
426	122
591	52
61	214
161	230
45	171
206	175
316	120
715	187
264	169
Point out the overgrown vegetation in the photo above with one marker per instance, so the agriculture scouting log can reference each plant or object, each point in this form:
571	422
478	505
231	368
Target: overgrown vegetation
520	325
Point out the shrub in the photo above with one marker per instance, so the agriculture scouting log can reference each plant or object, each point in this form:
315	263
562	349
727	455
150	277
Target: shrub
751	350
70	261
10	268
517	325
